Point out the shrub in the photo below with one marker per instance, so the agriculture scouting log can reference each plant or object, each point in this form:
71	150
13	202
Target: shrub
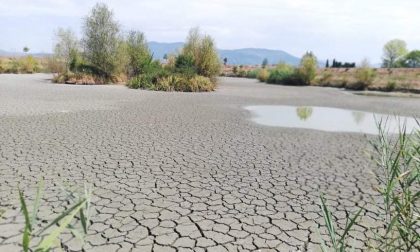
200	84
364	76
168	83
263	75
184	64
164	81
148	80
282	74
307	68
101	40
28	65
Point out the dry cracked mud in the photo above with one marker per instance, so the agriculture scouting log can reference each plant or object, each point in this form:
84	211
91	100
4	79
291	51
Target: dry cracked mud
184	171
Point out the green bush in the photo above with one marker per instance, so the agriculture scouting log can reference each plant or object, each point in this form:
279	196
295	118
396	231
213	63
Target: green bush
282	74
148	79
166	81
184	64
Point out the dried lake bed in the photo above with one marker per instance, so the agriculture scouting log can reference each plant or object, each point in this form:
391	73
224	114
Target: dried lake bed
188	171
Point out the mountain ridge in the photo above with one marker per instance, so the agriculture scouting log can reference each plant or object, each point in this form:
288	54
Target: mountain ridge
242	56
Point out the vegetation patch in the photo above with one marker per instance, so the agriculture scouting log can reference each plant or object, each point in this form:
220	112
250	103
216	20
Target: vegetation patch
110	56
23	65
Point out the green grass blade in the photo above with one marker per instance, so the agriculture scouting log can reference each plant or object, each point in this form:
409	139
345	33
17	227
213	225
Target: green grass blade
26	239
63	215
83	220
348	227
47	243
37	202
328	221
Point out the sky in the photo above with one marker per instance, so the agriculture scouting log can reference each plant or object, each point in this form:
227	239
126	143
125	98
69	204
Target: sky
348	30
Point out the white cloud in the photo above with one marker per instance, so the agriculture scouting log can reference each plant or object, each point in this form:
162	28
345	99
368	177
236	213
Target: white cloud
347	30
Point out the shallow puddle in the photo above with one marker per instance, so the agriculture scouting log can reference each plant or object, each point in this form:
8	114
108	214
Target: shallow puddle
328	119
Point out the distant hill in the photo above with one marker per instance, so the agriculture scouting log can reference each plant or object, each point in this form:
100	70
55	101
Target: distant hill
246	56
255	56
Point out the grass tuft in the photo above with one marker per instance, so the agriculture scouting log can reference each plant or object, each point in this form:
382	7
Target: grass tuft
398	165
65	221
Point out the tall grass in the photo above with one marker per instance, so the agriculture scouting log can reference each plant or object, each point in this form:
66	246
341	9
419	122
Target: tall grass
79	208
398	164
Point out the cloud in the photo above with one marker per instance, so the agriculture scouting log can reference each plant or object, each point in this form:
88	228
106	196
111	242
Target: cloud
346	30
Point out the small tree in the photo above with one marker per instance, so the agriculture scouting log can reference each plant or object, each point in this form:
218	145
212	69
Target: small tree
264	63
327	65
225	60
138	52
393	51
26	49
101	40
307	68
67	47
202	50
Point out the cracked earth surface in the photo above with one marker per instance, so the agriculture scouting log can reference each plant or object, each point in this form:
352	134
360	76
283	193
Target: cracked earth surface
184	171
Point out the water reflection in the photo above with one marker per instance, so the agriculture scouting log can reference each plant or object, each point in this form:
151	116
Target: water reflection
358	116
327	119
304	112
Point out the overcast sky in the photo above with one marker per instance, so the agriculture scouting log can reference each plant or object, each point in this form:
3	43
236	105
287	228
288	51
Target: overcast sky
346	30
